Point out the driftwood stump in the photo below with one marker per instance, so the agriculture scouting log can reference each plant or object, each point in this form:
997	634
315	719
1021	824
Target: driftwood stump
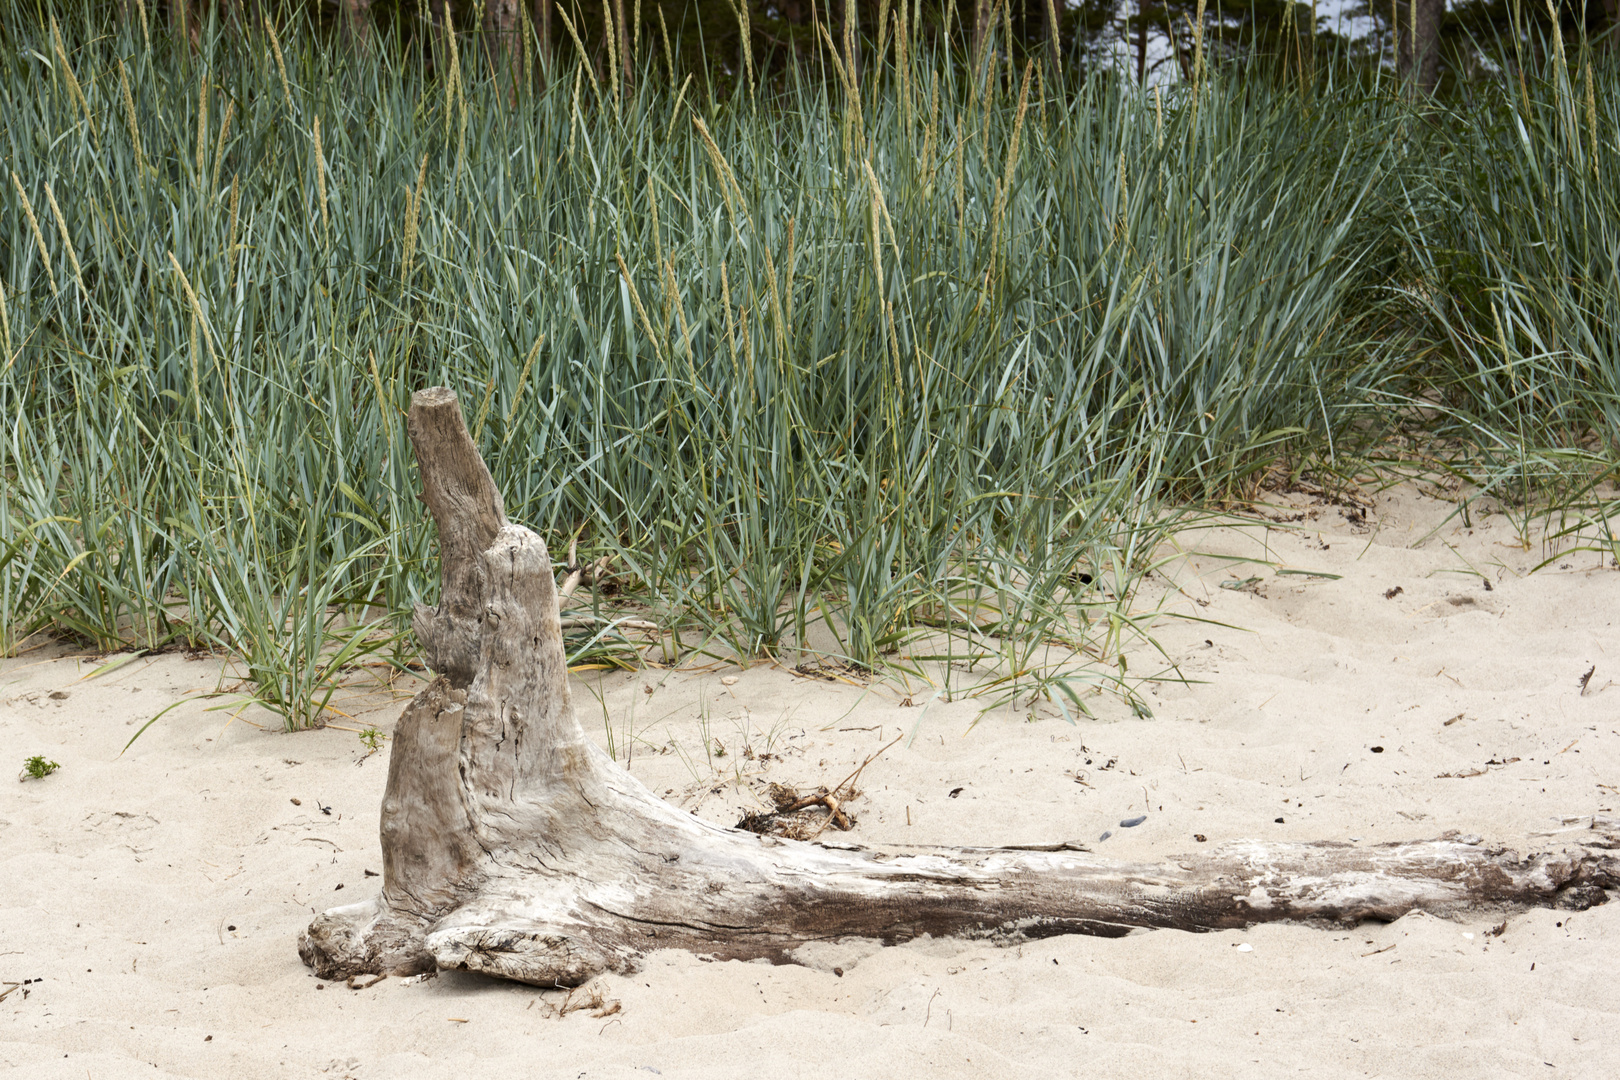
513	846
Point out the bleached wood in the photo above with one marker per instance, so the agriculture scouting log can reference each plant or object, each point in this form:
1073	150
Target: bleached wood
513	846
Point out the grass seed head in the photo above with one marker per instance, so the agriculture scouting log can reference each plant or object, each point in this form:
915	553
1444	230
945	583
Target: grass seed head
33	225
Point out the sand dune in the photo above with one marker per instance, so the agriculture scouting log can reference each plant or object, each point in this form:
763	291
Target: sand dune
149	903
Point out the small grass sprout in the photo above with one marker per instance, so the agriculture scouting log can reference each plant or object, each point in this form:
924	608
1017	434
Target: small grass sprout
38	768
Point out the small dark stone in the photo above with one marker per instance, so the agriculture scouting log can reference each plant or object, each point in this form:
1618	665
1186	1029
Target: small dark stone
1200	837
838	972
1106	834
230	928
1376	749
339	886
1279	821
1133	822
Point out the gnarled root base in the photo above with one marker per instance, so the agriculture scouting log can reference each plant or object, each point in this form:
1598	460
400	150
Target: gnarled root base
365	939
514	847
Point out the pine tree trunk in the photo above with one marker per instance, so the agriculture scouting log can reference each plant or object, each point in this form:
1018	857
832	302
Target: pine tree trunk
624	36
355	21
1141	45
1054	38
1418	44
542	19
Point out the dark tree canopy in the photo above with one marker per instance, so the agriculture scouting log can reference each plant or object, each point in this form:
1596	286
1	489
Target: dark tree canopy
723	41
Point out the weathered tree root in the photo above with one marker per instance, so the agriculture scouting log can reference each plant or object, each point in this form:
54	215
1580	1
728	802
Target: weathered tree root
513	846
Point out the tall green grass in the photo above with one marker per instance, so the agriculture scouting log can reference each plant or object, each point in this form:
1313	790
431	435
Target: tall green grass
1513	245
928	357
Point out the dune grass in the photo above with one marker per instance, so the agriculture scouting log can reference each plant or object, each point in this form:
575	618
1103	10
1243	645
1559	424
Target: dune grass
936	356
1512	258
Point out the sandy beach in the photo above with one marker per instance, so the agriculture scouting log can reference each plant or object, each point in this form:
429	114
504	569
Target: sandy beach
1353	675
